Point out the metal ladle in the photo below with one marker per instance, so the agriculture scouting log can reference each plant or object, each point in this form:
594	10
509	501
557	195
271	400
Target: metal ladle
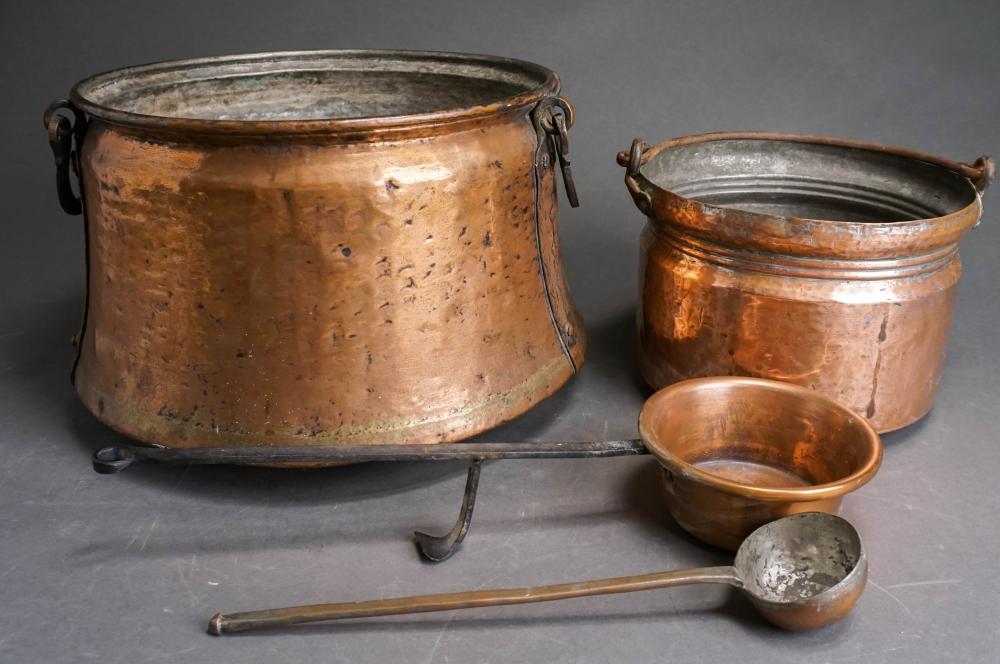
801	572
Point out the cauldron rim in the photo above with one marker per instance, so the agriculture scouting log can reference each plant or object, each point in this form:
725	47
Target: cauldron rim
523	84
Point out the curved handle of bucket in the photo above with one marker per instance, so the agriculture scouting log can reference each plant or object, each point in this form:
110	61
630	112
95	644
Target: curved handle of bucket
980	173
66	124
986	172
631	159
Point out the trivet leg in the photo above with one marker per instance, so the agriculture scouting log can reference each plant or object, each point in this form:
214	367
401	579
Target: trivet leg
112	459
439	548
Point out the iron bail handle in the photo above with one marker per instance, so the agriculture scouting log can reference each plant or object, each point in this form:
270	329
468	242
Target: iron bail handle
66	124
980	173
986	172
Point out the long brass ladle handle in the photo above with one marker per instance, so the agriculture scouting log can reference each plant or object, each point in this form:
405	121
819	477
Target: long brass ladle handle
239	622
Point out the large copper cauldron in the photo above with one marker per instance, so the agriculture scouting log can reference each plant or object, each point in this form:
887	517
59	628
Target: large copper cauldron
318	247
827	263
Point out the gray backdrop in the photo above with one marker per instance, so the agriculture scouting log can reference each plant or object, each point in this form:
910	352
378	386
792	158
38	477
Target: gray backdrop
129	568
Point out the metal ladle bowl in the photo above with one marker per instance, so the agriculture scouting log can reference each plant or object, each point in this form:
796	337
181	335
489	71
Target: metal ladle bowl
801	572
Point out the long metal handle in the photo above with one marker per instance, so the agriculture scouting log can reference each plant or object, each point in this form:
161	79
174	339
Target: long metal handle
116	458
239	622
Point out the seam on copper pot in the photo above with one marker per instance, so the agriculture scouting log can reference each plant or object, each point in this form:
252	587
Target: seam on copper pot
87	270
796	266
140	414
541	152
80	127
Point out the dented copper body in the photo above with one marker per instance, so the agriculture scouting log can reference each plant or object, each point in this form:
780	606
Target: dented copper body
320	247
827	263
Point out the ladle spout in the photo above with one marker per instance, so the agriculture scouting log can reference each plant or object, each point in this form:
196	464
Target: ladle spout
238	622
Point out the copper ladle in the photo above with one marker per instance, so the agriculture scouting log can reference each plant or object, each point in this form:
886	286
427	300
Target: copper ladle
802	571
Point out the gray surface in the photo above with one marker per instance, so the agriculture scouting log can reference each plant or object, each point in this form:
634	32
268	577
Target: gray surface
129	568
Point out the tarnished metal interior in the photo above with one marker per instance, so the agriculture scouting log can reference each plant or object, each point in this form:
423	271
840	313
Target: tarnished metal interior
797	558
809	180
311	85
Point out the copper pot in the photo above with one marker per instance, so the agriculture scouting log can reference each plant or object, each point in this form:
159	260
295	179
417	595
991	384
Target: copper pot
741	452
827	263
318	247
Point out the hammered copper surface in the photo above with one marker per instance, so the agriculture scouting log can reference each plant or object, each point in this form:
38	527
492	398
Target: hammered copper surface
829	264
740	452
315	279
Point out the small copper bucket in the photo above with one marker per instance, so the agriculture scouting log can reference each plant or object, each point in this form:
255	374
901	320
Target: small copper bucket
740	452
828	263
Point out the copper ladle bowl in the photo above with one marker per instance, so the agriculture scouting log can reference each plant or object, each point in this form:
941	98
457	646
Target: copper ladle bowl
739	452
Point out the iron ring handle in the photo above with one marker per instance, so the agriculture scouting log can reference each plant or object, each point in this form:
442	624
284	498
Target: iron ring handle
65	137
631	159
553	116
568	111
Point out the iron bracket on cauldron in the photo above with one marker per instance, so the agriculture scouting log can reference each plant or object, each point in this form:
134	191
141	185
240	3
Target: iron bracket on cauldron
116	458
